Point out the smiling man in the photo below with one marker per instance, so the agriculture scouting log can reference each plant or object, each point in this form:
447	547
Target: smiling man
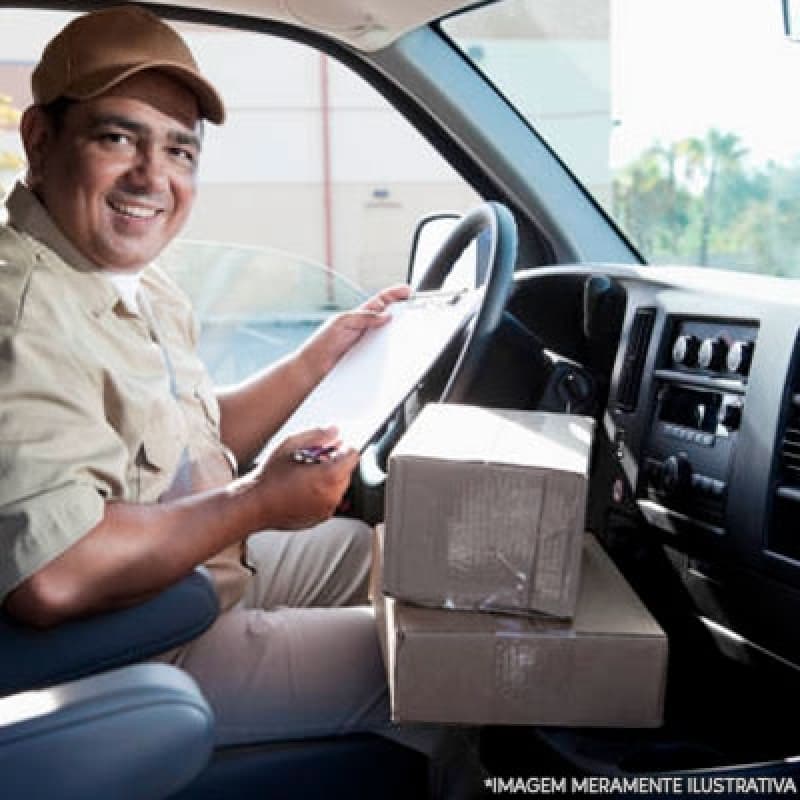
117	457
129	158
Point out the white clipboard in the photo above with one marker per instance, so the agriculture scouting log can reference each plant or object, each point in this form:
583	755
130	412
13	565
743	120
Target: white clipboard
381	370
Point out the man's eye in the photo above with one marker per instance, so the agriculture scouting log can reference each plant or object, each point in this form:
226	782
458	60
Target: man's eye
115	138
183	154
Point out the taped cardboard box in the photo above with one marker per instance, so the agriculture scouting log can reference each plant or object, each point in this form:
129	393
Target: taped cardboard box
485	509
606	667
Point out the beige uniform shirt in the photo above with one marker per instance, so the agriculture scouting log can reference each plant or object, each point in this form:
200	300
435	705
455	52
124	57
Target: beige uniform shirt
97	403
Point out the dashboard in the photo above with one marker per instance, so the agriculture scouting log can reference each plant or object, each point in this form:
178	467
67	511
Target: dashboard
693	376
700	421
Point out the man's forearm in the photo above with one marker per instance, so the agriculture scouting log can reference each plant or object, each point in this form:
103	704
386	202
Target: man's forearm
138	550
134	552
254	410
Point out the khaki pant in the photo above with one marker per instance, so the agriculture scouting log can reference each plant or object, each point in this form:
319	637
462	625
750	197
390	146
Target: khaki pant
299	656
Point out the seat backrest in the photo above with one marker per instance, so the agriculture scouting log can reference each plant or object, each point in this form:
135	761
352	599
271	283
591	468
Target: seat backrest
136	733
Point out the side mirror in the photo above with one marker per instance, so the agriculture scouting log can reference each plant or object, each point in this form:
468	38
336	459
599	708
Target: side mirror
429	235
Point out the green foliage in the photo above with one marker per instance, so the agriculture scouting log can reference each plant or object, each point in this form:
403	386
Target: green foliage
9	118
695	201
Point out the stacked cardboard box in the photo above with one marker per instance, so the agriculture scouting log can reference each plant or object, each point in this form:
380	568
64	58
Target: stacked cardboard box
485	510
485	513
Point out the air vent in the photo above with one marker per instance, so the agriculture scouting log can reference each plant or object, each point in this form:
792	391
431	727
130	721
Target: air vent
783	536
638	342
789	465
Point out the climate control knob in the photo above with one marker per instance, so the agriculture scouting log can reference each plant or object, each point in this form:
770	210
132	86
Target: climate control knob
739	357
713	353
685	350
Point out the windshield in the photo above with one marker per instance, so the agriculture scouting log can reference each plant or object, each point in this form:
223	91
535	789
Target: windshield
676	115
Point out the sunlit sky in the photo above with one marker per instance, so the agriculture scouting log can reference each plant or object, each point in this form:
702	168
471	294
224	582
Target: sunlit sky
680	67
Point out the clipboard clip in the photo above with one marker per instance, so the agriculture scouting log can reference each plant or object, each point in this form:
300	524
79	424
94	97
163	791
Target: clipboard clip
437	297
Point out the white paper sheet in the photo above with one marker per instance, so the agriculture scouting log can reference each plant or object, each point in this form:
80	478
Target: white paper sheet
374	377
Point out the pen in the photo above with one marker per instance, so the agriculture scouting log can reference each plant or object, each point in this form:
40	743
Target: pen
313	455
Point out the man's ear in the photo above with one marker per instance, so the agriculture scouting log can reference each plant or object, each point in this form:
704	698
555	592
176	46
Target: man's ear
37	133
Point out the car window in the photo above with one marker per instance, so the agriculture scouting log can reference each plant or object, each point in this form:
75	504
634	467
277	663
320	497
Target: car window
308	195
673	113
254	304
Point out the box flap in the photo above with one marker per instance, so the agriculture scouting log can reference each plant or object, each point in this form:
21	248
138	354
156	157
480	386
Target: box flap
524	438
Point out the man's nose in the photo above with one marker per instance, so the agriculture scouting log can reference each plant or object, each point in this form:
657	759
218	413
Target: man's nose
149	172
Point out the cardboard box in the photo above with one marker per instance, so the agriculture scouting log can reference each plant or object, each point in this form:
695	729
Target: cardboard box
607	667
485	509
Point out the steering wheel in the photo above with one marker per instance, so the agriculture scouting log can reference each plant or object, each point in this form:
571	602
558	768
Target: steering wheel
492	227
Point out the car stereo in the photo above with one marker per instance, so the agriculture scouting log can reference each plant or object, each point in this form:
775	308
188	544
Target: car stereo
700	394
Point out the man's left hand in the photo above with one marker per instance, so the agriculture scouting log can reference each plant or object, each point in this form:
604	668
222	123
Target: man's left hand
341	332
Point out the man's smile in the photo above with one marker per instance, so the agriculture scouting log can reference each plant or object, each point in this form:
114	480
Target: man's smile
135	211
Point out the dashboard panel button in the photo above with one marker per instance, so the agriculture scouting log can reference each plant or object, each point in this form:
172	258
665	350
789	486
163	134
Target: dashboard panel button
685	350
739	357
713	353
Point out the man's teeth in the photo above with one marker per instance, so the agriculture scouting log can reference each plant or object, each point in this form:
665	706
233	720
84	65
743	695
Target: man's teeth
134	211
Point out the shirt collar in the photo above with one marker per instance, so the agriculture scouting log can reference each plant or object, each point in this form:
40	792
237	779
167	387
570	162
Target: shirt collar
127	285
27	214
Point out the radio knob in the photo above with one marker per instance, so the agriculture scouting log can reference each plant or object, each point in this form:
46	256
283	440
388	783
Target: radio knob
685	350
676	475
739	357
712	353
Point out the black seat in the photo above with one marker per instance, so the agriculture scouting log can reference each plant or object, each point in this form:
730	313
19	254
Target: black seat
132	733
145	732
135	733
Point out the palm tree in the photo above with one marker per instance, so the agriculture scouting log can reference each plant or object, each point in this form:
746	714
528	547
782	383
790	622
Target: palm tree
709	159
651	204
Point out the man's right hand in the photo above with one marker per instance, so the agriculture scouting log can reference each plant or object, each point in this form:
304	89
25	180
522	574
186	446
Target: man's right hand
298	495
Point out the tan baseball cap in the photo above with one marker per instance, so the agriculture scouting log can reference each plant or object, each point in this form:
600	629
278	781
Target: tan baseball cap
101	49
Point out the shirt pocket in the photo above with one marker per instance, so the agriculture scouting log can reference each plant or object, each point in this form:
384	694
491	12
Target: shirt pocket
158	463
205	398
